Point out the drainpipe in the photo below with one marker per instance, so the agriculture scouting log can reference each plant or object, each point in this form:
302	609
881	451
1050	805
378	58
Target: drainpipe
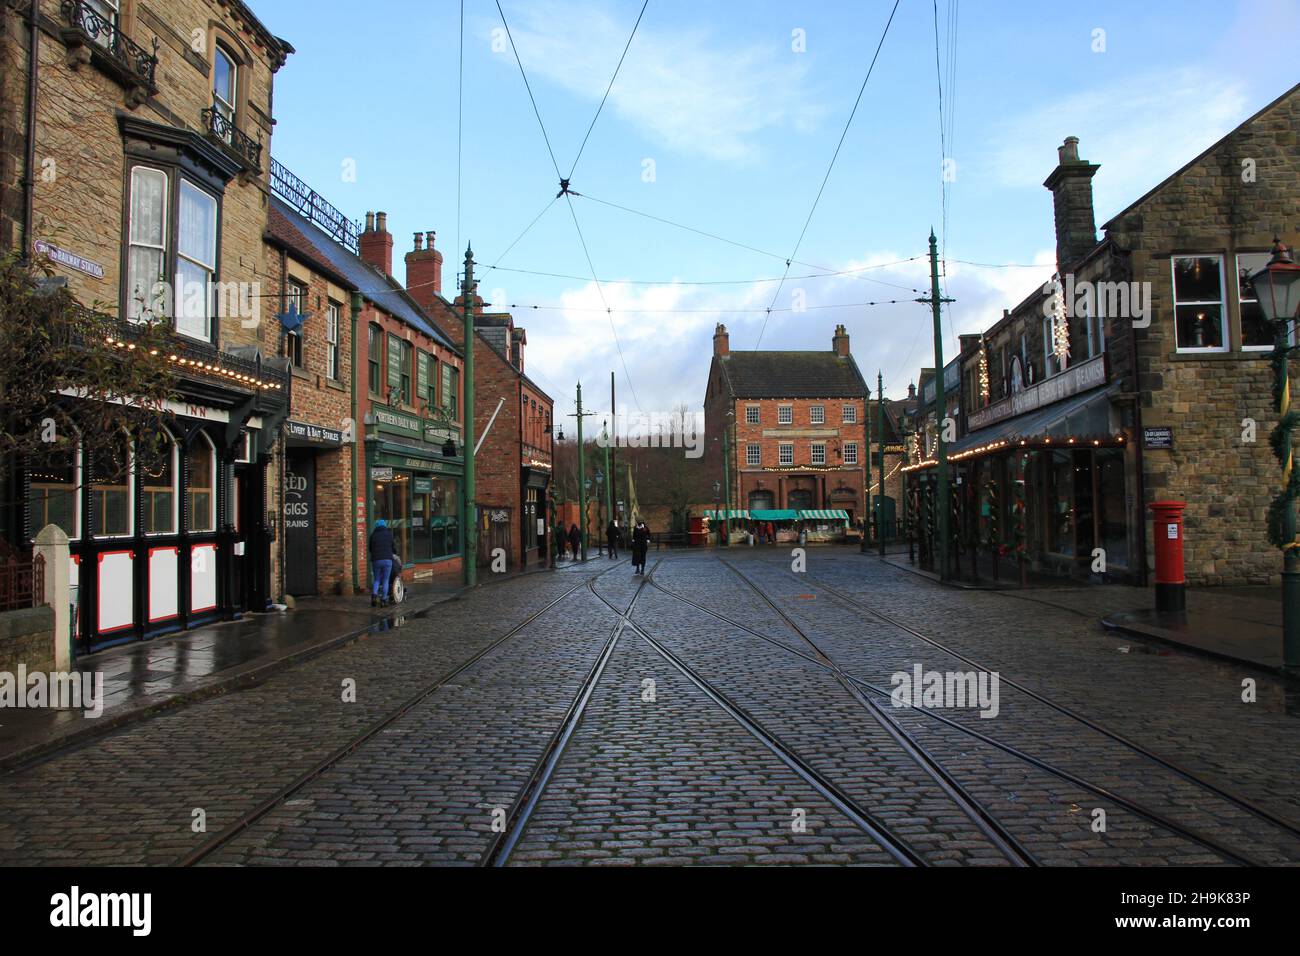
352	503
33	68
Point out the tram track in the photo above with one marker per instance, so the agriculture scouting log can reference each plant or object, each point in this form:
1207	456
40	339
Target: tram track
251	817
891	843
1237	800
1138	809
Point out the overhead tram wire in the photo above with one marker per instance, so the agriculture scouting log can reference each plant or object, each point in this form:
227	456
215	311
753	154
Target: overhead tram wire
851	273
724	310
608	311
607	89
740	245
529	88
831	167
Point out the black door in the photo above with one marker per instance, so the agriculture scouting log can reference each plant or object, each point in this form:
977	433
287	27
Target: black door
300	524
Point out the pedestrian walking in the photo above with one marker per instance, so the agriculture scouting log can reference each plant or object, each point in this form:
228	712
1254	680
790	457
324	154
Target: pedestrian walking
575	540
561	540
611	536
640	545
381	552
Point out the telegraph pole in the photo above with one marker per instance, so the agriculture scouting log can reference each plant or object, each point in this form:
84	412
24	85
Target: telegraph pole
944	503
880	432
470	558
612	467
582	476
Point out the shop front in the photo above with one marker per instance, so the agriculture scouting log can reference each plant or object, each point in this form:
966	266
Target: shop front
312	452
536	479
415	486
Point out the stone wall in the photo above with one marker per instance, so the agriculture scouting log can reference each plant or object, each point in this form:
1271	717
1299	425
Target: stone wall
27	637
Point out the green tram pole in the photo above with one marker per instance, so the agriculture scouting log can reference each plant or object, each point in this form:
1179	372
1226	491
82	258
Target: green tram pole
880	432
470	507
352	504
582	486
944	504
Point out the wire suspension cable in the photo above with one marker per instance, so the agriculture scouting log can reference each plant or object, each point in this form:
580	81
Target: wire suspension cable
811	212
529	87
608	88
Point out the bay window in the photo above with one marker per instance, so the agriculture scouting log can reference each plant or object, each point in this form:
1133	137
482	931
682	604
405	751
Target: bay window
196	262
147	244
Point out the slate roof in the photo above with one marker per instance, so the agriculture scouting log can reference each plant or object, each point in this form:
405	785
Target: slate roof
791	375
299	235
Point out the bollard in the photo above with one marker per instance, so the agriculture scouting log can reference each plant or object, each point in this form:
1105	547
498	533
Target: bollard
1171	583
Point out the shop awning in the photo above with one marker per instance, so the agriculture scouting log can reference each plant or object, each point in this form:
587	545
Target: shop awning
735	515
1083	416
824	515
778	515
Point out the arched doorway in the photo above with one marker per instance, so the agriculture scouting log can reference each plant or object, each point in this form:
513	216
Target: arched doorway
762	501
800	499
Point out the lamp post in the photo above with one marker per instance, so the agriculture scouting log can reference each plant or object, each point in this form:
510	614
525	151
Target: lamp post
717	493
600	514
583	482
1277	288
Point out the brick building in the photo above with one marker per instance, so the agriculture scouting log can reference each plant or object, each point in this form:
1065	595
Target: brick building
1132	386
141	171
797	432
512	418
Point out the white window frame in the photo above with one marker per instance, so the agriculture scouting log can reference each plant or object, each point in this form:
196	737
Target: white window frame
210	269
332	313
819	453
145	312
1225	331
295	291
785	453
753	455
817	415
226	109
785	414
1241	330
850	415
753	414
850	453
1051	361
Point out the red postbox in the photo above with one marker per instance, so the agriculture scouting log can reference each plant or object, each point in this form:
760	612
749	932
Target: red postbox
1167	532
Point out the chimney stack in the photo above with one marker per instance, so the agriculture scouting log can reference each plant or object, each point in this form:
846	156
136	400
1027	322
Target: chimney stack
424	272
840	341
721	340
377	243
1071	186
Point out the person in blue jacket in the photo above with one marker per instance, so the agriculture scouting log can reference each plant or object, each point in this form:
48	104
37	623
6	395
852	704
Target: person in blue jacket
381	562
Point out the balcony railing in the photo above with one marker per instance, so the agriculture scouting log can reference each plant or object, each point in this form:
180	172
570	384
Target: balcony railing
131	63
315	208
221	127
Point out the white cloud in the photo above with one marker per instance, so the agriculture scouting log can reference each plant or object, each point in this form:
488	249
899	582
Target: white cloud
1140	129
687	89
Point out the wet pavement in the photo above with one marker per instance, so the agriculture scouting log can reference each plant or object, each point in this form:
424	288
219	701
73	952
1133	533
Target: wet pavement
725	711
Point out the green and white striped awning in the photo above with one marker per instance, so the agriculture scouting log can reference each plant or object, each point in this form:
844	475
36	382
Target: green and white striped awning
734	515
824	515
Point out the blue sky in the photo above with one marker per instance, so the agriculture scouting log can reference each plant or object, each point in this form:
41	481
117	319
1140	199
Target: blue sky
740	128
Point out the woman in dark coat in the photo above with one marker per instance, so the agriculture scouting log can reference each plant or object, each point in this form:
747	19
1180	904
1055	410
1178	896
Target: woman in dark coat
575	540
640	545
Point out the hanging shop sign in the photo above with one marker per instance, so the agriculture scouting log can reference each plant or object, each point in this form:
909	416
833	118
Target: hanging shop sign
313	434
1158	438
381	474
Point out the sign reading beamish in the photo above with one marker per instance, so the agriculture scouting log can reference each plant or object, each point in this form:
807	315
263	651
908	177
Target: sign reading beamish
1079	378
316	434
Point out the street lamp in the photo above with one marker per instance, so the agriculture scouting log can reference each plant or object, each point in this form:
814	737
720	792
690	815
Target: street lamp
1277	289
600	511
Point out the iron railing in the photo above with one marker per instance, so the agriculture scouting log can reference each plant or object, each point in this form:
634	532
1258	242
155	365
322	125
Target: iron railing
223	128
104	33
22	582
315	208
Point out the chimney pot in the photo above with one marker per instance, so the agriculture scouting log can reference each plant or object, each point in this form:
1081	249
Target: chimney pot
381	222
721	340
419	241
840	341
370	222
431	235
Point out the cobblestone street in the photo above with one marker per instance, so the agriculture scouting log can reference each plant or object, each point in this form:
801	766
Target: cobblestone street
721	710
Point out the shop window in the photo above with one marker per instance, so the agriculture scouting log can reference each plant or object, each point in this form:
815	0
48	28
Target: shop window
393	504
54	493
1112	523
374	352
1256	333
785	454
332	341
754	455
1198	303
160	486
1060	501
111	488
201	469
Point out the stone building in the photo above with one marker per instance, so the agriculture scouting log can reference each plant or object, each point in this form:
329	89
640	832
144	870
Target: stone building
1138	375
795	430
134	149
